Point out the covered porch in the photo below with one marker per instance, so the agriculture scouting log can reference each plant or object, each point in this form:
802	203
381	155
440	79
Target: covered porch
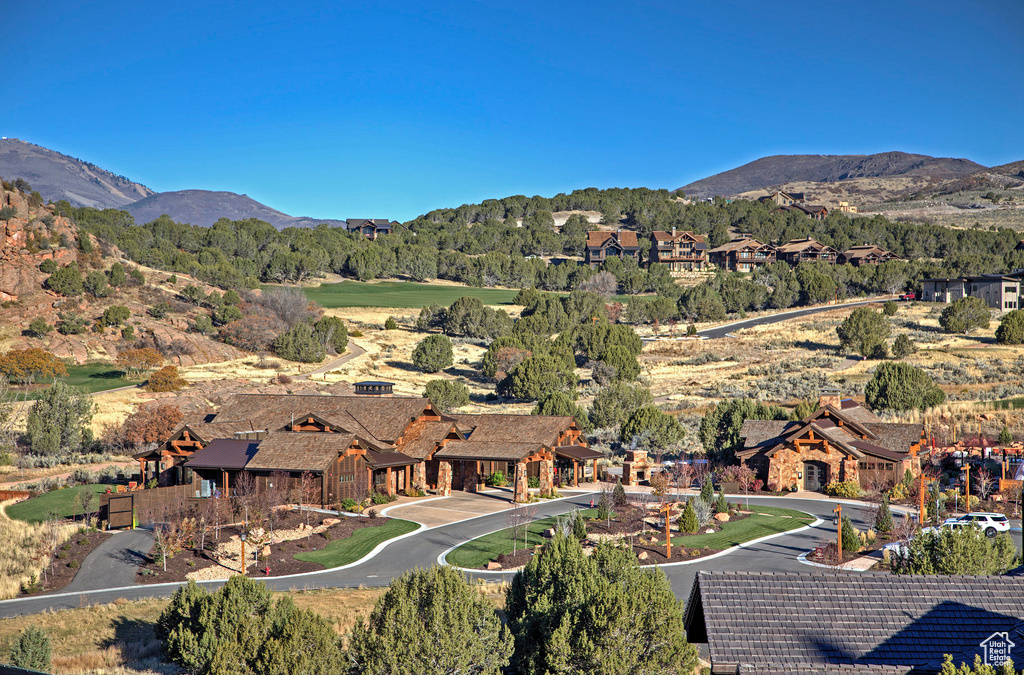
575	463
461	465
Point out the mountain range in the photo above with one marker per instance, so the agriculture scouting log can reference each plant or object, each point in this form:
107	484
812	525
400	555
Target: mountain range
57	176
774	171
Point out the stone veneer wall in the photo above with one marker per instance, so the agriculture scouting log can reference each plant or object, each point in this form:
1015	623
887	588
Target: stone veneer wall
787	462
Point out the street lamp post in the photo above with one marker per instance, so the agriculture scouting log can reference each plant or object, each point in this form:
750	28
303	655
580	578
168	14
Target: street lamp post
838	520
668	534
242	537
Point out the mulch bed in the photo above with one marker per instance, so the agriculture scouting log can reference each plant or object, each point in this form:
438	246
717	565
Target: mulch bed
69	560
281	562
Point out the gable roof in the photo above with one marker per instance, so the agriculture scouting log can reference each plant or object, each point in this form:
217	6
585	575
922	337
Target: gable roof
489	450
681	235
763	622
798	245
737	244
383	418
299	451
537	429
224	453
422	438
624	238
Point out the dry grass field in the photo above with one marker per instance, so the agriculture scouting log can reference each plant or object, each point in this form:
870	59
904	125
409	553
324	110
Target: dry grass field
20	556
118	638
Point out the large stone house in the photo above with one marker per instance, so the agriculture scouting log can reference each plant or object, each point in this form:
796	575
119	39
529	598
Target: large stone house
602	245
840	441
349	445
742	255
681	252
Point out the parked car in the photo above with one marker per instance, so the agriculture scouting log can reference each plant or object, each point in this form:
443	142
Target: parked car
900	547
990	523
909	296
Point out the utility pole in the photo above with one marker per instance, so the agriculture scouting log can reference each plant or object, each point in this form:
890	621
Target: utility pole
838	510
920	511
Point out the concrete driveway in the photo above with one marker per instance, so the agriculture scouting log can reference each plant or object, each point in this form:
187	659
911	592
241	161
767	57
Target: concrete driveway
458	507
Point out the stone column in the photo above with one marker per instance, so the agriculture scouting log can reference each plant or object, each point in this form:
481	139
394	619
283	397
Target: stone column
628	477
521	492
546	471
470	476
389	481
444	478
419	476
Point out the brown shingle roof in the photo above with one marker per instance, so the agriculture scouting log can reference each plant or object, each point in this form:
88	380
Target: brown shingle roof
796	245
381	417
855	412
299	451
489	450
380	460
680	235
765	433
422	437
578	452
896	436
737	244
542	429
789	621
624	238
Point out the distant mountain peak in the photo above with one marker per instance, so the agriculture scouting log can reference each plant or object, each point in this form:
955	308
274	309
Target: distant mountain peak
205	207
776	170
58	176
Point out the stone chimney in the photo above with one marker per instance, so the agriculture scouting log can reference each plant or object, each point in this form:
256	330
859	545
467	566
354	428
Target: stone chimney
673	230
832	397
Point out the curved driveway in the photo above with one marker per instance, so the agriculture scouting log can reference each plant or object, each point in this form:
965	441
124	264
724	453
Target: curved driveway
422	548
724	331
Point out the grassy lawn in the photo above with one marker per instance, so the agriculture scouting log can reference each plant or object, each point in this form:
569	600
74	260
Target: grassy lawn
345	551
401	294
751	527
90	378
61	502
480	551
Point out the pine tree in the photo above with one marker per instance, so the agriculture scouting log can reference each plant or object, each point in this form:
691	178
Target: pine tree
851	540
430	621
1004	436
688	521
722	506
707	491
619	495
32	650
570	613
883	518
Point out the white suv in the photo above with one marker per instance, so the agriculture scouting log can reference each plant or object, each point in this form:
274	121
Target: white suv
990	523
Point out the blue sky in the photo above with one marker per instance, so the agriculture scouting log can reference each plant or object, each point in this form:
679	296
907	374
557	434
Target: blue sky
390	109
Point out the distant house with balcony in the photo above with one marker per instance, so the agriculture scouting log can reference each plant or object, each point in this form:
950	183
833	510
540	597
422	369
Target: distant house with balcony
1002	292
371	228
866	255
744	254
680	251
602	245
797	251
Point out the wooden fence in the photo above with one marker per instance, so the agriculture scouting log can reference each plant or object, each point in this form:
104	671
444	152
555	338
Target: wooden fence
14	494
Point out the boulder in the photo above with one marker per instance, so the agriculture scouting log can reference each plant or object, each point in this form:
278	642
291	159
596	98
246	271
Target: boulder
722	517
710	530
493	565
331	521
643	555
265	552
549	533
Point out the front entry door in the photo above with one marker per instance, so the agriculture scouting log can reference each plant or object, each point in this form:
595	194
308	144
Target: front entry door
815	476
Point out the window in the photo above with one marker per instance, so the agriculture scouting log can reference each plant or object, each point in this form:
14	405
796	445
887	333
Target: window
863	465
871	466
888	466
346	478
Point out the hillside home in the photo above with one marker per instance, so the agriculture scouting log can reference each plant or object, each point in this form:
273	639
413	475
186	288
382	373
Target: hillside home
846	207
823	622
742	255
783	198
1019	246
681	252
866	255
840	441
1002	292
619	244
349	445
797	251
370	228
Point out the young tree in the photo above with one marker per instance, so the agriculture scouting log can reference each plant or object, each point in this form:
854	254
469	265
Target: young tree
66	281
863	331
984	483
851	541
1011	328
883	516
570	613
903	346
964	315
434	353
58	422
430	621
309	493
116	275
1004	436
32	650
688	520
900	386
446	395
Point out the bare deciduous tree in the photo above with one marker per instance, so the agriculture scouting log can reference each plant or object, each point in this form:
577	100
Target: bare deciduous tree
984	483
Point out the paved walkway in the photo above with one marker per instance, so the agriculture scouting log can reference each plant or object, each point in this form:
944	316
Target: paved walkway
729	328
114	563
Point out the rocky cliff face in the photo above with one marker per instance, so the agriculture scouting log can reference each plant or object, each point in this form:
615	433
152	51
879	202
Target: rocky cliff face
32	235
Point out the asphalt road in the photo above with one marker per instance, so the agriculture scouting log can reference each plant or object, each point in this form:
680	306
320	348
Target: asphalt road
422	549
724	331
